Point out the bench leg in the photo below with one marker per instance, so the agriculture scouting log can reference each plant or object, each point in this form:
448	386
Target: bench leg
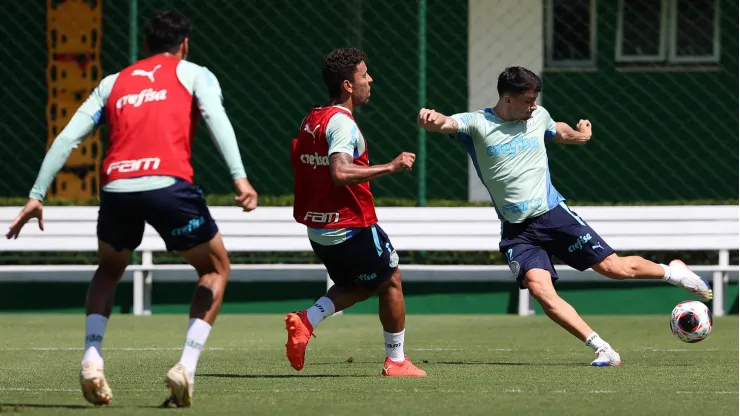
525	303
146	260
138	293
143	287
718	284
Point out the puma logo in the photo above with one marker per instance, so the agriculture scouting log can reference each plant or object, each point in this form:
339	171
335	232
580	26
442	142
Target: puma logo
148	74
597	245
312	133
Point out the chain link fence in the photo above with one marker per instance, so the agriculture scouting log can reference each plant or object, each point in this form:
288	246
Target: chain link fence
658	79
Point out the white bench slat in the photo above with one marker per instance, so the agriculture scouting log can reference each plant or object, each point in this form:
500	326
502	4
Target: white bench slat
667	243
492	229
469	228
414	214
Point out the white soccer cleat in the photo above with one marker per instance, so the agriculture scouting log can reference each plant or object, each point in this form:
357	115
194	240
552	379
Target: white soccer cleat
181	386
606	357
690	280
94	385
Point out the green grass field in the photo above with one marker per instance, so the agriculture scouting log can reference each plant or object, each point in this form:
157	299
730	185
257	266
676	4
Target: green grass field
477	365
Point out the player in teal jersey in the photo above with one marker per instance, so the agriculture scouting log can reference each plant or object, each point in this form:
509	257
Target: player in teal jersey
507	146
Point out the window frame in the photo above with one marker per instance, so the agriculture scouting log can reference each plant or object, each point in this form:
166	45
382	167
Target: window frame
619	55
551	62
673	57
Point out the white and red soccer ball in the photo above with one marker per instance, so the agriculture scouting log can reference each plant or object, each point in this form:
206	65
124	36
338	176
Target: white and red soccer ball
691	321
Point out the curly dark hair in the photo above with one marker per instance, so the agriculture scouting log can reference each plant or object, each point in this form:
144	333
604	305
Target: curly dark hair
340	65
518	80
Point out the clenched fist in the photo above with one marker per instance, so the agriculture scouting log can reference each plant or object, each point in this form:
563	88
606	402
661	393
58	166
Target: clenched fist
404	162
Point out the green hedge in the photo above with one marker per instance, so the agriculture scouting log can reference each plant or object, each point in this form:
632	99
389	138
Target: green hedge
406	257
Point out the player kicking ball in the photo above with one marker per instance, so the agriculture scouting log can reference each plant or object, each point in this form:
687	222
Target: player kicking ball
507	146
332	174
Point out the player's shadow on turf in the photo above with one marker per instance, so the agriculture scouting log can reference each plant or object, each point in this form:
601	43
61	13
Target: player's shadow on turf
279	375
18	407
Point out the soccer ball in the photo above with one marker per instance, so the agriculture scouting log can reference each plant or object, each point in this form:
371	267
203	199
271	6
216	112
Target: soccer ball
691	321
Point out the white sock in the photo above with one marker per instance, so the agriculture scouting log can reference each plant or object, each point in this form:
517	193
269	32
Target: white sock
320	310
195	339
94	331
394	346
671	276
594	341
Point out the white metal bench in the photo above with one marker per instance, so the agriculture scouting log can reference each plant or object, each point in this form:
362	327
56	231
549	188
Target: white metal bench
657	228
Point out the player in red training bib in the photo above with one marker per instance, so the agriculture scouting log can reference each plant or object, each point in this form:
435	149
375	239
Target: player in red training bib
151	109
332	174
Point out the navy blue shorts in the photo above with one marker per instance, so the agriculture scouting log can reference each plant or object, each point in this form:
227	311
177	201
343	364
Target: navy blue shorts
368	257
178	212
559	232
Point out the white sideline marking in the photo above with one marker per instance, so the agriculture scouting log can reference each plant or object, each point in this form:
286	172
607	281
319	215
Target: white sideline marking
38	390
678	349
424	349
106	349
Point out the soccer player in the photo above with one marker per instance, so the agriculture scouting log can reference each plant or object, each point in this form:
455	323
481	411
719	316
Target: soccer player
507	146
331	174
151	109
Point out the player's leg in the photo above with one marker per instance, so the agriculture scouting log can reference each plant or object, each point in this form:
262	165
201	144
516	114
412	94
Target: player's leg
581	247
676	273
211	262
383	261
392	313
181	217
119	233
540	285
345	292
533	269
360	267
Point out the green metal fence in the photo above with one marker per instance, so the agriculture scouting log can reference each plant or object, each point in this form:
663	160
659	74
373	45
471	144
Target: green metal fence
665	129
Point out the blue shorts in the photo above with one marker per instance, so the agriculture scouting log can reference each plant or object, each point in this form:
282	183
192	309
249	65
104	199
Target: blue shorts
367	257
178	212
559	232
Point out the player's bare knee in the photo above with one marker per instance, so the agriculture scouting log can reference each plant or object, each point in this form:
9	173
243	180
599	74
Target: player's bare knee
395	280
541	292
112	262
215	281
540	286
209	258
390	286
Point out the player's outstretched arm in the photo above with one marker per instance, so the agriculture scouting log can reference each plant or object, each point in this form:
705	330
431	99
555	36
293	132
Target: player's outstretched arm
83	122
566	135
79	127
345	172
433	121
